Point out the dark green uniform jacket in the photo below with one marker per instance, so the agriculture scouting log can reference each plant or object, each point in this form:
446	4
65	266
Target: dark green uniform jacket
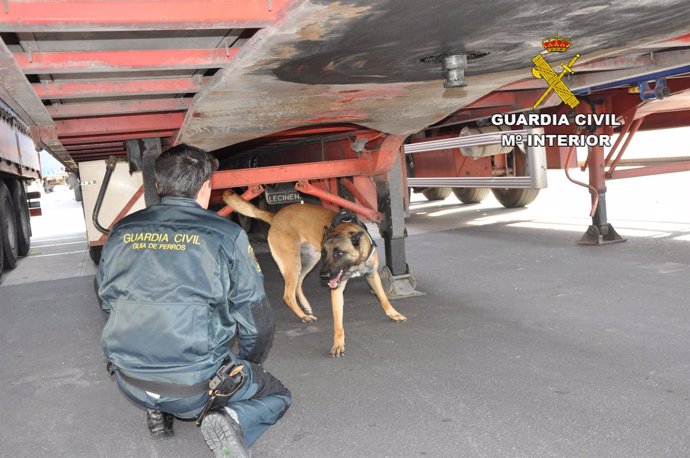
179	283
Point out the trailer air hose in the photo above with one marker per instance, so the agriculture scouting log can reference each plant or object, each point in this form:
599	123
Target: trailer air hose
109	168
592	189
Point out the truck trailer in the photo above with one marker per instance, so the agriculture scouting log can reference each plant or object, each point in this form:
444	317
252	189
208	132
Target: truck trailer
19	165
347	103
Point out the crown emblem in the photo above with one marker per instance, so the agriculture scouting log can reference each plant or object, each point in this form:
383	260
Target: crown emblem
556	44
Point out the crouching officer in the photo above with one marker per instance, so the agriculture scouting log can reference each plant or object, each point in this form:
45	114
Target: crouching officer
180	283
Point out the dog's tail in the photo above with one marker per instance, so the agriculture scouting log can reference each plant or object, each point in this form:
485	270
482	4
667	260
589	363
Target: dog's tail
246	208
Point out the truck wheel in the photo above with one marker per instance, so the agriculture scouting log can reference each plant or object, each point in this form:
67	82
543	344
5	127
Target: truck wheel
9	228
22	217
2	250
95	254
471	195
436	193
515	197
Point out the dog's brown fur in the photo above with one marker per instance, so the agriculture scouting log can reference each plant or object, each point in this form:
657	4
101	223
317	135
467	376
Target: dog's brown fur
295	239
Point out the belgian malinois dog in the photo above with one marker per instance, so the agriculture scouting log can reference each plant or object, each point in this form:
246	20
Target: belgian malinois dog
299	236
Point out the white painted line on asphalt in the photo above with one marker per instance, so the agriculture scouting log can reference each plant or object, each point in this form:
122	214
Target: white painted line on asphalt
450	211
55	254
551	226
39	240
627	231
58	244
685	238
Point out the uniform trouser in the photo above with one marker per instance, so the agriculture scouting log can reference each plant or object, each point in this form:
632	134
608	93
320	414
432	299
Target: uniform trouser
259	403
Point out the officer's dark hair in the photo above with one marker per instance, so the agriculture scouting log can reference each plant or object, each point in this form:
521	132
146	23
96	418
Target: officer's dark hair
181	170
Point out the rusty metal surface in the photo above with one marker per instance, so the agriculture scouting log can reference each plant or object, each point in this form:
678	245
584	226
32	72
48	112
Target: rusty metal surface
103	89
260	68
37	16
83	109
88	64
369	62
38	63
119	124
376	160
392	40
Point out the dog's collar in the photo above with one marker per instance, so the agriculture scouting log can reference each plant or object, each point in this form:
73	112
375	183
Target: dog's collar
372	245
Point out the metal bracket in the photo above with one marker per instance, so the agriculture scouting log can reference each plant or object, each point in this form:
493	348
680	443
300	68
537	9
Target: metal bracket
594	237
358	146
399	286
454	70
369	213
660	91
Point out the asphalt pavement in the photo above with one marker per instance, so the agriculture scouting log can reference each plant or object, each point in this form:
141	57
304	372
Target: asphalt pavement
524	344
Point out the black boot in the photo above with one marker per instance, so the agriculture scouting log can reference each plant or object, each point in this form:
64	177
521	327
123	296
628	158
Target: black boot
160	424
224	436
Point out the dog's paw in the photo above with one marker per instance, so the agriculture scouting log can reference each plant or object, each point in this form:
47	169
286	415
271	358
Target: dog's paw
337	351
398	318
309	319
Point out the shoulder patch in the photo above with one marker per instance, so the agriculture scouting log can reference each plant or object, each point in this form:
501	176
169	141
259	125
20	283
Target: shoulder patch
250	251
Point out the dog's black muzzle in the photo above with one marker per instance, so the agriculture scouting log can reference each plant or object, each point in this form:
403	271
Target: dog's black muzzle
325	277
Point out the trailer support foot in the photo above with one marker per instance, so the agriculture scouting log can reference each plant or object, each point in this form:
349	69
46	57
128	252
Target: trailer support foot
601	232
399	286
396	275
603	235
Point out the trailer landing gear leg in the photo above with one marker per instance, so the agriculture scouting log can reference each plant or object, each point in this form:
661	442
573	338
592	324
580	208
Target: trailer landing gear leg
396	276
142	154
601	232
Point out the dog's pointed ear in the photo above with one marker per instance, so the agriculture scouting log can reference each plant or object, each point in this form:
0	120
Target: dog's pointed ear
355	238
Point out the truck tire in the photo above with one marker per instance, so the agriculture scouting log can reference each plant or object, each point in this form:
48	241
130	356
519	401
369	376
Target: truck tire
2	250
515	197
9	228
22	216
471	195
436	193
95	254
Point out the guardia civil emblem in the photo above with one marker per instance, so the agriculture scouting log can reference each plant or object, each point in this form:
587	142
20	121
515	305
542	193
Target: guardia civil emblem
542	69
